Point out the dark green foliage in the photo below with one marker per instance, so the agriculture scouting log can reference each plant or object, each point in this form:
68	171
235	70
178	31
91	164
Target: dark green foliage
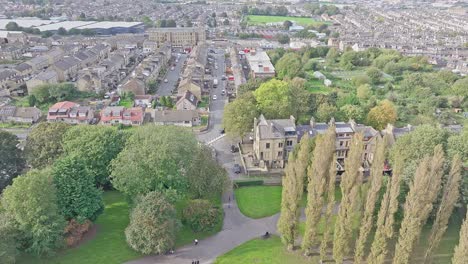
11	158
201	215
152	228
243	183
44	144
77	196
8	241
31	204
97	146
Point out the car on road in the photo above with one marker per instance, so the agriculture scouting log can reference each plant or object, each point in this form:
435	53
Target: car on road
222	131
214	97
223	77
172	68
165	80
236	168
223	92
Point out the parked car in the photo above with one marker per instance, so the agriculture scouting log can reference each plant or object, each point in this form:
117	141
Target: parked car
165	80
223	77
222	131
214	96
236	168
172	68
223	92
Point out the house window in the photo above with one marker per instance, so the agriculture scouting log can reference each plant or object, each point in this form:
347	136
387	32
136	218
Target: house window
365	147
280	145
347	143
267	145
261	155
341	143
280	153
289	143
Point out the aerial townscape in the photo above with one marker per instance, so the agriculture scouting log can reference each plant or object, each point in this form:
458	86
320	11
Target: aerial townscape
234	132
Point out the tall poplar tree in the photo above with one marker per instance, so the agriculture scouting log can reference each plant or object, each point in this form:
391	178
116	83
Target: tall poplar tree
351	182
292	191
386	216
423	192
317	175
449	198
328	226
460	256
376	179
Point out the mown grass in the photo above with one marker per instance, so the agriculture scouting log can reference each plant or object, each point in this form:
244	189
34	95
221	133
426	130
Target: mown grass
259	201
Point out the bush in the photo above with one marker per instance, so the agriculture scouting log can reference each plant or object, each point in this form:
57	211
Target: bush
201	215
75	231
243	183
152	228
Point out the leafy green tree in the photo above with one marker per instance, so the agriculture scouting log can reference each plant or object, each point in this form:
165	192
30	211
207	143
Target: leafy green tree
35	215
363	92
325	112
147	21
44	144
152	228
299	97
9	242
282	38
11	158
374	74
332	56
330	200
12	26
458	145
209	182
288	66
97	146
287	24
317	188
350	185
77	196
155	158
352	112
376	181
273	99
171	23
62	31
239	115
460	87
201	215
416	145
449	198
460	256
419	203
383	114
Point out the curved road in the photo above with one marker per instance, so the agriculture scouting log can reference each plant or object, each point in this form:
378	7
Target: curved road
237	228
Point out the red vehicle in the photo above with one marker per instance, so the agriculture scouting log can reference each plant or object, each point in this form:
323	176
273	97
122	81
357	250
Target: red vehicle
231	78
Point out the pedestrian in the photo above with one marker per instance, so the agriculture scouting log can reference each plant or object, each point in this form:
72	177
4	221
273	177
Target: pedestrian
198	262
193	262
195	241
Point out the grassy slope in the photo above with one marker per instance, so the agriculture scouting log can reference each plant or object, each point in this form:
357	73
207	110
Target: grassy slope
259	201
109	245
259	251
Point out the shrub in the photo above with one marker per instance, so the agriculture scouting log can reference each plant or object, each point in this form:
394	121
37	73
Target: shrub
201	215
152	228
243	183
74	231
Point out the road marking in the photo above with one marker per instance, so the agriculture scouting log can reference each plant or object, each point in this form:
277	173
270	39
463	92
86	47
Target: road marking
215	139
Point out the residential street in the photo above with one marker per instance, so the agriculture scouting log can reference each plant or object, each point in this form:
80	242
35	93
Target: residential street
237	228
172	77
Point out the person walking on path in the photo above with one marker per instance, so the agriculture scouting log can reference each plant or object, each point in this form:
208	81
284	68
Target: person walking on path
195	241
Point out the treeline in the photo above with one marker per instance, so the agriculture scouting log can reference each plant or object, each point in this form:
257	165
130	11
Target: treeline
72	165
426	184
318	9
267	11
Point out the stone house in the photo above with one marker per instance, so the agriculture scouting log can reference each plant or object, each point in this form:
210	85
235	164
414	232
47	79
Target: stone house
70	113
186	118
187	102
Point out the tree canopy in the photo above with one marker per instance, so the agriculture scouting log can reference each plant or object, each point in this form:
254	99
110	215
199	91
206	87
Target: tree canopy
239	115
44	144
11	158
273	99
155	158
35	215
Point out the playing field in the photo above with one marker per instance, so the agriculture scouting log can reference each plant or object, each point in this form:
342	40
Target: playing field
261	20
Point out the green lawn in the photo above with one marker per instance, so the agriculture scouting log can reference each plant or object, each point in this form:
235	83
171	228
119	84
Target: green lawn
259	201
109	245
127	103
260	20
262	251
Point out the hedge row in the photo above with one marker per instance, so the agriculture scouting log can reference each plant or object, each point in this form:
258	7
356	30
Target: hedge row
243	183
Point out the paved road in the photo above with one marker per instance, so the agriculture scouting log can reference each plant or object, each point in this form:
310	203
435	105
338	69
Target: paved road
237	228
172	77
